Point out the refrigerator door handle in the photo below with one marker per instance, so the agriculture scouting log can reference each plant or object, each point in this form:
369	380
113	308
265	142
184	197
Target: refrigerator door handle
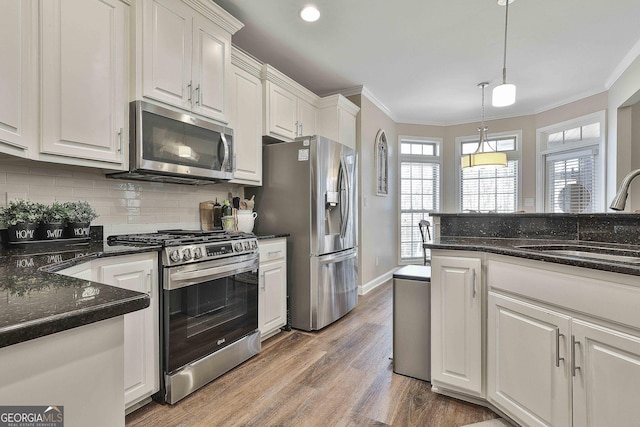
338	256
345	206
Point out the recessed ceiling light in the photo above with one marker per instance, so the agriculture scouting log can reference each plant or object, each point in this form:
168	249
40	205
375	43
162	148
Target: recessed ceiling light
310	14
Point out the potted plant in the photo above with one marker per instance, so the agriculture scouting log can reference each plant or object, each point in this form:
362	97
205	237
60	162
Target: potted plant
21	219
53	221
80	215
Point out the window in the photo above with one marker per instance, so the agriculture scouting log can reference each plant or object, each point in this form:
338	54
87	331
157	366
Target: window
419	191
571	174
490	190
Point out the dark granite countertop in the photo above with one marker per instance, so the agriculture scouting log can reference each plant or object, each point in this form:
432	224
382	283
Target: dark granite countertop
512	247
36	302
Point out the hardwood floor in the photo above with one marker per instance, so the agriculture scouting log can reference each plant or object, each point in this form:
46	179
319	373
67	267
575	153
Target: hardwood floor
339	376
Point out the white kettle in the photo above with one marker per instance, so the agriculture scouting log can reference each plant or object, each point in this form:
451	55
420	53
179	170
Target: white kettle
246	220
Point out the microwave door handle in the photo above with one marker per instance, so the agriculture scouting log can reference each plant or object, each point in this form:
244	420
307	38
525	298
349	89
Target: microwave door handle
226	151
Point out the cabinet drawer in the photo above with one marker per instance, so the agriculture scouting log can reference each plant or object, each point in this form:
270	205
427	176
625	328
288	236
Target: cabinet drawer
610	297
272	249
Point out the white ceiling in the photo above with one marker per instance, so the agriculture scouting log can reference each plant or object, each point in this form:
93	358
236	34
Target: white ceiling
423	59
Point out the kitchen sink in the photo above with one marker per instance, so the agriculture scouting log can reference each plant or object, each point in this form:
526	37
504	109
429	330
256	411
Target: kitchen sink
586	251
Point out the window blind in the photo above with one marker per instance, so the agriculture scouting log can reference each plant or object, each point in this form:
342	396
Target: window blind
572	181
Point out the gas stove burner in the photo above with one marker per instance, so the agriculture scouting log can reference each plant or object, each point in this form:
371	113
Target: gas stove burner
187	246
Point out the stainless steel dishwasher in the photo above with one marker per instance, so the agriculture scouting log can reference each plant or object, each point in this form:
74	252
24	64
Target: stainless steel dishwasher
412	321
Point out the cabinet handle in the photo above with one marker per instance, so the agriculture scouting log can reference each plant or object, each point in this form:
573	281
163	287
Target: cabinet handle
296	131
558	358
190	93
300	133
198	95
149	283
273	252
574	368
264	285
120	137
473	283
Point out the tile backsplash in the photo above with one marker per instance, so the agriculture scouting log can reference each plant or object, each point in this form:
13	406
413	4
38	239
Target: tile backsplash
123	206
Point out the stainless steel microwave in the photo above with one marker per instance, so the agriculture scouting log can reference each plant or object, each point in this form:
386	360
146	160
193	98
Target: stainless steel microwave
170	146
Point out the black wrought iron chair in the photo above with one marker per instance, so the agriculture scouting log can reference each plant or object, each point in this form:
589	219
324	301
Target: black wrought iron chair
424	225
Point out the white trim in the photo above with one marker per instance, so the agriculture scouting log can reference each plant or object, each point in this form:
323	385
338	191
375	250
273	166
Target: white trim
362	90
598	116
372	284
415	158
511	155
623	65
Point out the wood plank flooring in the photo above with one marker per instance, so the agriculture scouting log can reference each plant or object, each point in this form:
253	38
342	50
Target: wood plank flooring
339	376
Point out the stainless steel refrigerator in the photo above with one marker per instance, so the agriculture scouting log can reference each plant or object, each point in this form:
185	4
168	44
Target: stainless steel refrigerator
309	191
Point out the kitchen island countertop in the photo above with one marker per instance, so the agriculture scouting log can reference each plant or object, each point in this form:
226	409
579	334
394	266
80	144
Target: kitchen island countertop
513	247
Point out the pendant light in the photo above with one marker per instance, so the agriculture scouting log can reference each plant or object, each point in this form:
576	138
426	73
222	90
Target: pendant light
505	94
481	159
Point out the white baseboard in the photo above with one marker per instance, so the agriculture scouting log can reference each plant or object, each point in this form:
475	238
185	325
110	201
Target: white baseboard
372	284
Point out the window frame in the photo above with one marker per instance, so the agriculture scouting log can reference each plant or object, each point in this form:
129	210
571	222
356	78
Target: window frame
511	155
543	150
417	158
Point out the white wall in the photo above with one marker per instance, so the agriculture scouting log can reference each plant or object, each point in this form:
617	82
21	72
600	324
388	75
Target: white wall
124	206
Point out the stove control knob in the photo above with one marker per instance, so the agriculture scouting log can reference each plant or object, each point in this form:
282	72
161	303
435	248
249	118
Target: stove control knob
238	247
247	246
186	254
197	253
254	245
174	255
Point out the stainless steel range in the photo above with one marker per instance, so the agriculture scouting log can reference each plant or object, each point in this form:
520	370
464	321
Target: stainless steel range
209	305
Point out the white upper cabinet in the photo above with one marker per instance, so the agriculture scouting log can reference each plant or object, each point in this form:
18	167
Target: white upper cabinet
84	81
337	119
246	117
290	110
18	103
186	55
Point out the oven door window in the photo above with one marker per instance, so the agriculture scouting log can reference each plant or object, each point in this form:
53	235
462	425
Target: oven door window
208	316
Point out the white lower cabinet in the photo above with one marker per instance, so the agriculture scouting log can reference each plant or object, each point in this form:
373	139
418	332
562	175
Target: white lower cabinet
272	292
137	272
456	323
563	345
528	373
606	388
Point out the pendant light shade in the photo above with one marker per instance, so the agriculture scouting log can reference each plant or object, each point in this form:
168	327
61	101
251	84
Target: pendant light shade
505	94
481	159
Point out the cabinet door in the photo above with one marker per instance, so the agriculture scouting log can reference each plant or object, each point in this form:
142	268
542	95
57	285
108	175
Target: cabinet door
247	127
141	355
272	297
211	59
84	82
528	363
347	127
281	114
605	385
166	48
273	288
307	116
456	316
18	43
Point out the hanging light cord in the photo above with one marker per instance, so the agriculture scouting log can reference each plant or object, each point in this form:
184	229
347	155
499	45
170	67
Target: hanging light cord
504	63
483	129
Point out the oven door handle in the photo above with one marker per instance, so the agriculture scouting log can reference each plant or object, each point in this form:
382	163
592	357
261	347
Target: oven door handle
180	279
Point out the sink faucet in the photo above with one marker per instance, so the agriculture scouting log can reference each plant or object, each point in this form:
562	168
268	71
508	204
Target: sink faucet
618	202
